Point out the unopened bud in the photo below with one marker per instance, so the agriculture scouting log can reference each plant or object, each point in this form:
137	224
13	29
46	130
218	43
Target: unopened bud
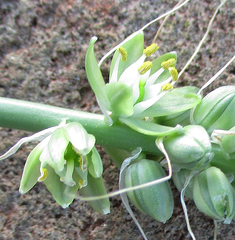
189	149
216	110
157	200
214	195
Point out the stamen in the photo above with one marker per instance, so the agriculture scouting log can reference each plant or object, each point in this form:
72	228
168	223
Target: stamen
44	174
80	160
83	163
123	53
174	73
166	87
68	178
148	51
169	63
145	67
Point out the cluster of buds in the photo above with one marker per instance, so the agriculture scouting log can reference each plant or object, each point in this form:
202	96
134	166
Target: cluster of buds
204	164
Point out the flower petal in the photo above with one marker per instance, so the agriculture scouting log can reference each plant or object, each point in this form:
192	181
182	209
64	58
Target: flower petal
134	49
62	193
150	128
95	165
174	101
53	154
82	141
31	170
95	77
121	99
95	187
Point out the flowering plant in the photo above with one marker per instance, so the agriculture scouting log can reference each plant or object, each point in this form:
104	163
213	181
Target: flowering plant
150	127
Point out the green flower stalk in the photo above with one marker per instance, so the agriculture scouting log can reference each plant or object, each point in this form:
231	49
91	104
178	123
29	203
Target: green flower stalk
63	160
214	195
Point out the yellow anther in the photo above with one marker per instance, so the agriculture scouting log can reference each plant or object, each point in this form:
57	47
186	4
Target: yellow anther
123	53
166	87
44	174
169	63
145	67
174	73
81	183
80	160
148	51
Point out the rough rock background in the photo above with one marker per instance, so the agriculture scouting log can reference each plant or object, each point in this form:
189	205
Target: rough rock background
42	50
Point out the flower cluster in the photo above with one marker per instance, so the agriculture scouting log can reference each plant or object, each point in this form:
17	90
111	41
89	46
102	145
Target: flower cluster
138	88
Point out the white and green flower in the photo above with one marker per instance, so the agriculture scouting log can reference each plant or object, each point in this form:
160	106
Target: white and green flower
64	160
138	88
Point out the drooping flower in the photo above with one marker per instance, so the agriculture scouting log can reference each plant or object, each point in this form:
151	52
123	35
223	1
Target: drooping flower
64	160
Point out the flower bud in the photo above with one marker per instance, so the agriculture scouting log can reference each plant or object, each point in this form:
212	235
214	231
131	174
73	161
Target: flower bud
189	149
214	195
216	110
156	200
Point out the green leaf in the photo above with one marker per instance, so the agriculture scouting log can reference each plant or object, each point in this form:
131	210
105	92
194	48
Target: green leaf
134	49
62	193
150	128
94	76
120	97
174	101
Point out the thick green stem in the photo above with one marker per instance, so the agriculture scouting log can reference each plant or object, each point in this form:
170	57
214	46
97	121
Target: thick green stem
34	117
